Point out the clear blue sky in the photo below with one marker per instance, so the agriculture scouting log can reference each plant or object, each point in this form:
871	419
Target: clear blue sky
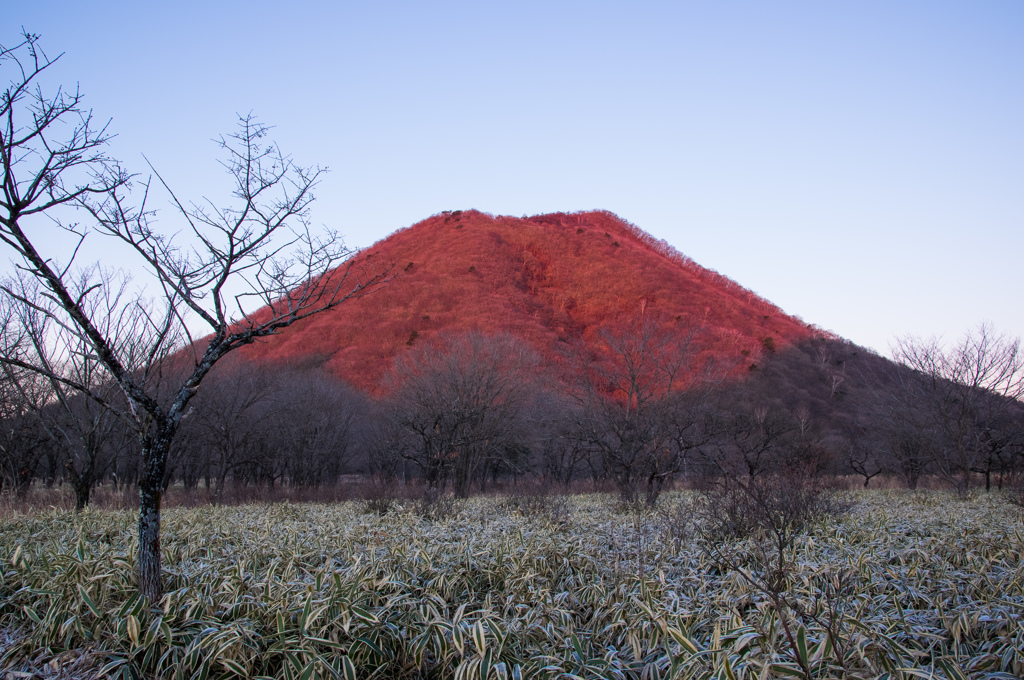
860	164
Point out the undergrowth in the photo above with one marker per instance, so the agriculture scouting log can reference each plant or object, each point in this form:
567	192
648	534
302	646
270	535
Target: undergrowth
573	587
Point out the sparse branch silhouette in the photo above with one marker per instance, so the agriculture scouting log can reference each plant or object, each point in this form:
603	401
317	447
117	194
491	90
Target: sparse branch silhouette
258	244
966	397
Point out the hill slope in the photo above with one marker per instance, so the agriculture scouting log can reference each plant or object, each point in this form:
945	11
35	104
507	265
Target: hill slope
548	279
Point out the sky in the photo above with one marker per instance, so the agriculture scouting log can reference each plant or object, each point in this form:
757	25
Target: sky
859	164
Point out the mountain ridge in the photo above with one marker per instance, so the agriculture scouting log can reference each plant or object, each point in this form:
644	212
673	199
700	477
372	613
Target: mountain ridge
549	279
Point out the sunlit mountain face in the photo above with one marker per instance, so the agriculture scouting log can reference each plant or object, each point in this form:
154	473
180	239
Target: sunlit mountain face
559	282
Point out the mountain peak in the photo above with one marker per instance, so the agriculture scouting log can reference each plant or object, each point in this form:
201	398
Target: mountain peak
548	279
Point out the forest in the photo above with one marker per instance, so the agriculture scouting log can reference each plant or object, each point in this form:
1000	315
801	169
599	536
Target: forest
474	413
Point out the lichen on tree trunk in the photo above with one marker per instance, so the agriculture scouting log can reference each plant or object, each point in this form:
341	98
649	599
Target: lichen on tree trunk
150	496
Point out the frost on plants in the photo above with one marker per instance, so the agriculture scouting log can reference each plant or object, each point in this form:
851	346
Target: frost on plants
902	581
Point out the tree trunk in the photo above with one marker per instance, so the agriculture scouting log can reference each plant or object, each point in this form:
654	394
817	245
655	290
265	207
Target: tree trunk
84	481
23	482
218	493
912	476
154	460
82	490
150	584
655	485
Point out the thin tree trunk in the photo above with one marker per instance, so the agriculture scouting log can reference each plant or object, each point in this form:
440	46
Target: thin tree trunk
222	476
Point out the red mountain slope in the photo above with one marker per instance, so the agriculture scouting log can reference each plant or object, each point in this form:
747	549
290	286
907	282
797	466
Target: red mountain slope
549	279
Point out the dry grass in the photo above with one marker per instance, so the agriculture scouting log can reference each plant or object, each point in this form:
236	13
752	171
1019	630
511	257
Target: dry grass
39	499
920	583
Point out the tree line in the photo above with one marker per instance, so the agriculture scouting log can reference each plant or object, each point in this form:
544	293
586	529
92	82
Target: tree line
646	408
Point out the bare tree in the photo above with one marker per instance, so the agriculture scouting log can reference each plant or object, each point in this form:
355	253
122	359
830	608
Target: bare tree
311	423
223	425
895	405
562	451
756	439
259	249
22	440
460	403
639	402
256	425
860	450
87	434
970	393
384	446
771	511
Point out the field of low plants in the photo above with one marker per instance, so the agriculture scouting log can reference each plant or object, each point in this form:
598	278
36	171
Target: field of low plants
903	584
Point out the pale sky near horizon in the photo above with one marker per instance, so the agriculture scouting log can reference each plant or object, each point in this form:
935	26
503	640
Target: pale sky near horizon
859	164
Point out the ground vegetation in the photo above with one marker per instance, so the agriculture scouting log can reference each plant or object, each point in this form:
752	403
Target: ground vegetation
900	584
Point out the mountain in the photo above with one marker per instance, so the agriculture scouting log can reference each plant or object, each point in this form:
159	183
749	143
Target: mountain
551	280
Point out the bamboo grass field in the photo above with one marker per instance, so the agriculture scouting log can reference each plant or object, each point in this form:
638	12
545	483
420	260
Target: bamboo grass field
904	584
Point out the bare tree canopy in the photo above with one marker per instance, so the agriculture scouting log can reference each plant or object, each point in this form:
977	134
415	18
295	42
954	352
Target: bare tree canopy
257	246
459	404
969	395
641	401
86	432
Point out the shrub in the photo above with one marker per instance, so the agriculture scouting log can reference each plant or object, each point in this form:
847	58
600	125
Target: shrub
749	527
1015	495
378	506
778	507
677	521
552	508
436	506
